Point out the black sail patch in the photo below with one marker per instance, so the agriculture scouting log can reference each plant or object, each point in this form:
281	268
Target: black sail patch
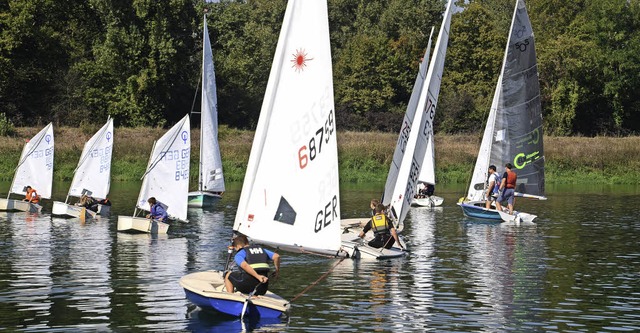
285	212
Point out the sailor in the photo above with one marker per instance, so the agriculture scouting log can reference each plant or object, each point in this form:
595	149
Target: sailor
156	211
507	188
31	196
253	262
493	186
384	233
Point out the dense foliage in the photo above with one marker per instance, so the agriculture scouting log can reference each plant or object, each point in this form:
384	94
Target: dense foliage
74	62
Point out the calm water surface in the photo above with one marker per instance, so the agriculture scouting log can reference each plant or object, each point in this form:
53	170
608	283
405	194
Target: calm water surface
576	270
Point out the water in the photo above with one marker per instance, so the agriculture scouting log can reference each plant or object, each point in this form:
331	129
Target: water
576	270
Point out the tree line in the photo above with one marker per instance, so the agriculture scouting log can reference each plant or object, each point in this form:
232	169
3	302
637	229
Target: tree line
75	62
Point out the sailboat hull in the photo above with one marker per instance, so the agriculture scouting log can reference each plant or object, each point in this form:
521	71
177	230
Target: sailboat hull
141	225
432	201
65	210
480	212
203	199
206	290
357	248
19	205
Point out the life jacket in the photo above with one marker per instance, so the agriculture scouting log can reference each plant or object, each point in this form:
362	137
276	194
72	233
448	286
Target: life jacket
32	195
496	187
257	258
380	224
511	179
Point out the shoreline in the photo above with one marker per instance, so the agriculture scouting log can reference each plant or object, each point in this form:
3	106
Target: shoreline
363	156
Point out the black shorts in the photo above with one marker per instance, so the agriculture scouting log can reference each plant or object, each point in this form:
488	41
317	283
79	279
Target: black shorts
381	240
246	283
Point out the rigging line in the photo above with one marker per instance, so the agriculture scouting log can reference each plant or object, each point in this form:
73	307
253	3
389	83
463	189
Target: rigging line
195	95
316	281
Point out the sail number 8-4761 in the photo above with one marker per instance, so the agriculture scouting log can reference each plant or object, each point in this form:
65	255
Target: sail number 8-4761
323	135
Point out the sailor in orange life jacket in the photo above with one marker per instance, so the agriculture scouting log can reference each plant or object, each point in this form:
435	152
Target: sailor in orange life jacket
507	188
384	232
31	196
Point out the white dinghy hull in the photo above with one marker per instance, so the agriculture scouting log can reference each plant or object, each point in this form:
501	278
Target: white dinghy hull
66	210
19	205
141	225
432	201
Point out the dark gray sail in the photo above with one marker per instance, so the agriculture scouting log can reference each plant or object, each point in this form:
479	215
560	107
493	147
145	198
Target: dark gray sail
517	133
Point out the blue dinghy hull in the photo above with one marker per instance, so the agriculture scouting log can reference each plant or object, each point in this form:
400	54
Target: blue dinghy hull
479	212
205	289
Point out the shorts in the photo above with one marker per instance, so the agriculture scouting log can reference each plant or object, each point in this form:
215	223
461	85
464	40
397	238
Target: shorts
507	195
246	283
382	240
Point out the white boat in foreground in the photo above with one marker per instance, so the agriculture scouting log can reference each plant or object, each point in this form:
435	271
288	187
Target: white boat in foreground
513	133
210	176
91	177
35	169
166	179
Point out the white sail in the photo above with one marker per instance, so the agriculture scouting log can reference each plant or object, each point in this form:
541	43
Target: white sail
167	175
210	177
290	194
428	170
93	172
403	138
35	167
422	127
513	133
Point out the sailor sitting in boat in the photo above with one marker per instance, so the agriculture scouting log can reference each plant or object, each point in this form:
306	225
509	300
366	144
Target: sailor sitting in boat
384	232
157	211
32	196
253	262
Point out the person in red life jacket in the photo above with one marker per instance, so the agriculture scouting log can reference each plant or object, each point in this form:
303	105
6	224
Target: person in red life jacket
253	262
507	188
31	196
384	233
493	186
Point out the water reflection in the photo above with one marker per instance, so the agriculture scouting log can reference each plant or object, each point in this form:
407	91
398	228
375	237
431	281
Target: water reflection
151	263
576	269
81	265
28	289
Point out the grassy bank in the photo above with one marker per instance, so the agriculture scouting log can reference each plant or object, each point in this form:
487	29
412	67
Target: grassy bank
364	157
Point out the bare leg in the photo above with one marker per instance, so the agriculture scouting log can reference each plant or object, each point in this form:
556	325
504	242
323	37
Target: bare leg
227	283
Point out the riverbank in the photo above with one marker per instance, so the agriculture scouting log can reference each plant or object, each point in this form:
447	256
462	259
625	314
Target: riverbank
364	156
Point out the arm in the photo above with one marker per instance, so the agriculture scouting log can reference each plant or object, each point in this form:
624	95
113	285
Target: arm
489	189
276	263
503	183
366	228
